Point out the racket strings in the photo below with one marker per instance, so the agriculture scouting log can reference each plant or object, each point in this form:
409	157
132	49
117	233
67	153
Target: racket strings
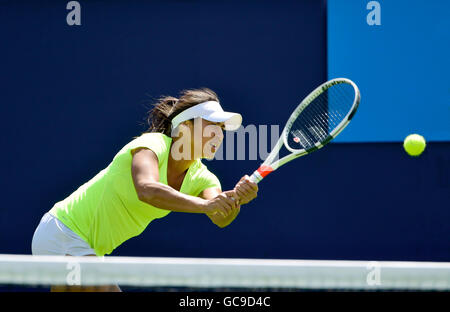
315	116
318	116
316	124
326	115
323	115
312	124
346	96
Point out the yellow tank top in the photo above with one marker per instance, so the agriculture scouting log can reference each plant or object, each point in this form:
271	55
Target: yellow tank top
105	211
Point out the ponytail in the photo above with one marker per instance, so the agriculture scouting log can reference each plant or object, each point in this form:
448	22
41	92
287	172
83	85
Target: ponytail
160	116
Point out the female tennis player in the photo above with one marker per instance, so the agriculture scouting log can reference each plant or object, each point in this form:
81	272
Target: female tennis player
156	173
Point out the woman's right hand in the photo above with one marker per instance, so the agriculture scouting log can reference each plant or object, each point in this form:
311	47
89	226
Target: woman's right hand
224	204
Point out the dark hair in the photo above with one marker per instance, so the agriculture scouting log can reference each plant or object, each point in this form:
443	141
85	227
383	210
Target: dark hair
160	116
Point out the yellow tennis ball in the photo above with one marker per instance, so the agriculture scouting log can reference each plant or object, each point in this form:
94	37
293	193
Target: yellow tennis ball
414	144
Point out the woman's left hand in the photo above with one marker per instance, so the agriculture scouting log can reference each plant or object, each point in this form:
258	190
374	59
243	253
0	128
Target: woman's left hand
246	190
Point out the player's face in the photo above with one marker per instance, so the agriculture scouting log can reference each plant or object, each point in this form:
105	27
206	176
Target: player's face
205	137
212	137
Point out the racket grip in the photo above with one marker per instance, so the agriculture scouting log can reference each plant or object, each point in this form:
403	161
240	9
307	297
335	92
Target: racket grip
255	177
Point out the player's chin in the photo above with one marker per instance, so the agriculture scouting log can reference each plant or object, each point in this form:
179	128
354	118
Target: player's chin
209	154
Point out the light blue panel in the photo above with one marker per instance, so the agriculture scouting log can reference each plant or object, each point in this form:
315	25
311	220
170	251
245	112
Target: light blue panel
401	67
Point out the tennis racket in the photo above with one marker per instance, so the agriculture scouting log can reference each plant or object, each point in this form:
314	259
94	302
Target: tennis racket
317	120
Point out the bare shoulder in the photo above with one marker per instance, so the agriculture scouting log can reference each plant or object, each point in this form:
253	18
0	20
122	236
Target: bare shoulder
145	154
144	166
138	149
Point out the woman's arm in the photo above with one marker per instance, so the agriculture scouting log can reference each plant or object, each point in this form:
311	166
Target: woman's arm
244	192
145	173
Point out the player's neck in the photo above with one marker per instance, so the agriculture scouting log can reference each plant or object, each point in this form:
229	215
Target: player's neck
184	158
178	166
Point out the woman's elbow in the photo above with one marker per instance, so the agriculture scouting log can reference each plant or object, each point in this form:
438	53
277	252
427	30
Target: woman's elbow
147	192
216	221
222	224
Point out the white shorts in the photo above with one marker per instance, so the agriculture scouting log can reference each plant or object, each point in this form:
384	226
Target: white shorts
52	237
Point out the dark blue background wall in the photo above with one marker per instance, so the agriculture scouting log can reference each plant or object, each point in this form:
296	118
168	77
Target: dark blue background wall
71	97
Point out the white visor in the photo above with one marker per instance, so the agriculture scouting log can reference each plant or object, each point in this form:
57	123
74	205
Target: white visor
211	111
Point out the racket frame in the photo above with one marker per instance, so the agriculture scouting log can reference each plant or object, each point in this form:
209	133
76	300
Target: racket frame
270	165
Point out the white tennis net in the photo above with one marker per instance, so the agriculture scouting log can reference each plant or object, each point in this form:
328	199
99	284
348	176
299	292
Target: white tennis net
224	273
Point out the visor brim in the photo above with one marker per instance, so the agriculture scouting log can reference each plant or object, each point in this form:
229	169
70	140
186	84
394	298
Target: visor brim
232	121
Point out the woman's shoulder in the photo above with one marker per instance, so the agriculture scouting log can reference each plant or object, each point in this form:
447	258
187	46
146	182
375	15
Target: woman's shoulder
153	136
202	171
203	177
157	142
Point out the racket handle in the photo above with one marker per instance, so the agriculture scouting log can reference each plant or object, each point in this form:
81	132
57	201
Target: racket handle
255	177
260	173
